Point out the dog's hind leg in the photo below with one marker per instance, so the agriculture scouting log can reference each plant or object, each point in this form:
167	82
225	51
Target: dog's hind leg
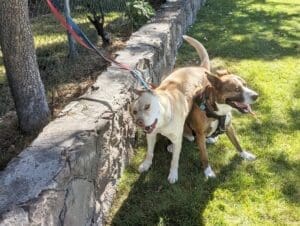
212	140
232	137
170	148
188	133
200	138
151	140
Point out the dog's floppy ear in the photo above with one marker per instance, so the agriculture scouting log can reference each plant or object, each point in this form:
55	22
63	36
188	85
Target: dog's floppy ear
210	96
198	91
139	92
152	85
221	72
214	80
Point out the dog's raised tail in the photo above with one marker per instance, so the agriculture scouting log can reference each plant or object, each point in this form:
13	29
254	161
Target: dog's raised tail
200	50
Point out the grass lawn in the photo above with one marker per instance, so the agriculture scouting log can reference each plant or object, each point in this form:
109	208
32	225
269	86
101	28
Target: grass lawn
258	40
56	69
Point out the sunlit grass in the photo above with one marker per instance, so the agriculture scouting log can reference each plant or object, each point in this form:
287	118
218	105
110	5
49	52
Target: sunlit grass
51	45
51	37
259	40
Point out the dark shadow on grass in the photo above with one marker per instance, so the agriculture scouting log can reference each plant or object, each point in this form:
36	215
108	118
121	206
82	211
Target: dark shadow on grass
276	3
294	114
297	90
120	27
231	29
152	200
56	67
289	172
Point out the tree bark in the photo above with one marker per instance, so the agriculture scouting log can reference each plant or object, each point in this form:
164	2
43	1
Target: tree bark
21	66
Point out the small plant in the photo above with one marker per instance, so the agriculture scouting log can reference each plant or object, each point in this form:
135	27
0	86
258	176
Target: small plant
139	11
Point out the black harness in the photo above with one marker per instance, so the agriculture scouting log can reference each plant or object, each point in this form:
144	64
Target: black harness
202	103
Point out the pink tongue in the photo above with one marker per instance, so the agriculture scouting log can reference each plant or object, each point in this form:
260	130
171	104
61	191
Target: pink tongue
246	107
250	110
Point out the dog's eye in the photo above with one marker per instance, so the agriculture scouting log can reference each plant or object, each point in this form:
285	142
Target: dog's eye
147	106
237	89
134	112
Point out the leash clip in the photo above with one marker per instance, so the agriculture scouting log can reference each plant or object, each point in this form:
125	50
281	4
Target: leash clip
139	76
202	106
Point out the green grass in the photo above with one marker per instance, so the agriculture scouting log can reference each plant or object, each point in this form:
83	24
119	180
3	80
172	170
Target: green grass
52	53
50	37
258	40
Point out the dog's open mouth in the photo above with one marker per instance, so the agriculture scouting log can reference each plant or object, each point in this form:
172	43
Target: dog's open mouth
149	129
241	107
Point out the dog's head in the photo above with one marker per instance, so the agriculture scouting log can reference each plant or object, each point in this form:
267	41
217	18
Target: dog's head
232	90
145	110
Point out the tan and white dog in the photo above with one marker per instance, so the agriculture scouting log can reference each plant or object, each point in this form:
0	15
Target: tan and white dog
211	112
164	109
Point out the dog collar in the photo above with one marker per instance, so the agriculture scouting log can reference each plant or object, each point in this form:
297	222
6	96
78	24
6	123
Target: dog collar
202	104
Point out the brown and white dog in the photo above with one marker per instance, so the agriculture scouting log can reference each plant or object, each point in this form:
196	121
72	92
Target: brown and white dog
164	109
211	112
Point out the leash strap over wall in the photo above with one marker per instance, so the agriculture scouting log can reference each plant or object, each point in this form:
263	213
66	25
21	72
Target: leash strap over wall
69	24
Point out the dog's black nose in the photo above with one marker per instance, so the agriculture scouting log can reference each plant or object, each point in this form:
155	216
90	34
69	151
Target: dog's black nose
140	122
254	96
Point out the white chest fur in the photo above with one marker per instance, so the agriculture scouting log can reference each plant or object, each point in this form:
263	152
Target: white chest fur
214	124
213	127
223	109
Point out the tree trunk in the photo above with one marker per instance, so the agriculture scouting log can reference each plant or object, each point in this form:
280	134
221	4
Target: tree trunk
20	62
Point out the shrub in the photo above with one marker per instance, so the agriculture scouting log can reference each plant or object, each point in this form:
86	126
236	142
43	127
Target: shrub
139	11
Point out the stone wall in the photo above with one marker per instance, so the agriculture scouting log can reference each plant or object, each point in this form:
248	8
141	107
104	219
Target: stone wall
68	175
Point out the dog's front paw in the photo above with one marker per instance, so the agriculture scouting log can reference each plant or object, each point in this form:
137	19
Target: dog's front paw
170	148
212	140
144	166
209	173
173	176
190	138
247	156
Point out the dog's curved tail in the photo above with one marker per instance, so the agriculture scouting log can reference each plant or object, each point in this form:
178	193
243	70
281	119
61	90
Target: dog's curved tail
200	50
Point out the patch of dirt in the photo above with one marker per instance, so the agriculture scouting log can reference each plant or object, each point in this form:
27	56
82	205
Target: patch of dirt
12	141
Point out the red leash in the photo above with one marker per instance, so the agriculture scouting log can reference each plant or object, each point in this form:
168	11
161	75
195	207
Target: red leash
82	39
